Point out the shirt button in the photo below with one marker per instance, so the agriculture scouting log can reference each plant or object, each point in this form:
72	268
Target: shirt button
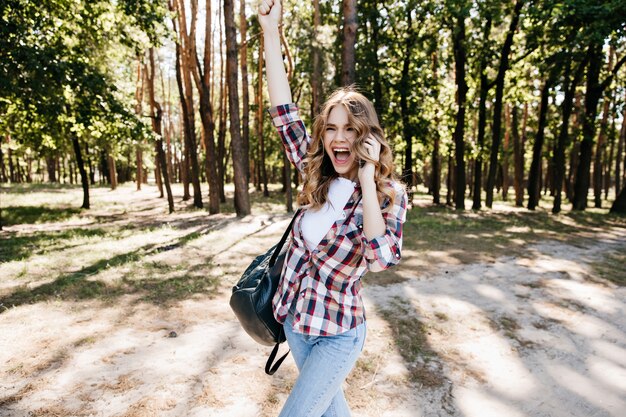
343	214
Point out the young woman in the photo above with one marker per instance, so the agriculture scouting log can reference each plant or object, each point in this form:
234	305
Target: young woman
351	224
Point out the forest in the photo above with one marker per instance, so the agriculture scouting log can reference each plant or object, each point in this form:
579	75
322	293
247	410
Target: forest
481	100
141	174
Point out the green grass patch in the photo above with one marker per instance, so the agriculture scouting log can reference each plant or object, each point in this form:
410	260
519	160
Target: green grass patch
612	267
14	215
410	337
18	247
475	236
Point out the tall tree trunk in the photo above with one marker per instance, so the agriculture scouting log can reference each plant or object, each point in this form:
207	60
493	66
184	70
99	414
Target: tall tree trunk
506	153
259	123
600	145
221	136
156	115
620	151
575	149
348	53
592	97
139	83
112	172
242	199
435	184
484	88
50	166
563	140
3	169
316	77
459	143
245	96
202	77
518	158
405	90
185	57
84	179
619	205
378	91
534	176
608	163
497	106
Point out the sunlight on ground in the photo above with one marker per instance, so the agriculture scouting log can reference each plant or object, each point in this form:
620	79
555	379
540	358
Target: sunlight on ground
122	310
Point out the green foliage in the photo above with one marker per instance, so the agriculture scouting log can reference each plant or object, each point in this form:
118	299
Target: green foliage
56	73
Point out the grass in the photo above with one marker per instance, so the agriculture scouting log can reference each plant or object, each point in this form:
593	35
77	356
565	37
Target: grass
473	236
410	336
48	255
14	247
36	214
612	267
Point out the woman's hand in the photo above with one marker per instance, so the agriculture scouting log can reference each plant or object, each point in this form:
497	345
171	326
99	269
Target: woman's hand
367	171
269	14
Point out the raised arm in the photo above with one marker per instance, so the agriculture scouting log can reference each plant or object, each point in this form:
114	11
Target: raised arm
277	83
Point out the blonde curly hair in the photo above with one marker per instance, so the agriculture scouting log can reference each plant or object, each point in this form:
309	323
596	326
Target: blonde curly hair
319	170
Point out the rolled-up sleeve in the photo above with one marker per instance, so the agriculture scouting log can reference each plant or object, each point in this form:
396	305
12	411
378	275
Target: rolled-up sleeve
292	132
385	251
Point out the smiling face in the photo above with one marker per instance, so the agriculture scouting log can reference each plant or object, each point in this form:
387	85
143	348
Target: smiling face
338	138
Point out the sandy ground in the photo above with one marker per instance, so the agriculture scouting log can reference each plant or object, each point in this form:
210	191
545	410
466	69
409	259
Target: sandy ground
536	335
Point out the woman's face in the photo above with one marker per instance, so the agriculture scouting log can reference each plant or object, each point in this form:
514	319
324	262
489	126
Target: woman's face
338	138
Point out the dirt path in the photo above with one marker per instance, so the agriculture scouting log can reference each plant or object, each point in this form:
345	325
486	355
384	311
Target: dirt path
537	335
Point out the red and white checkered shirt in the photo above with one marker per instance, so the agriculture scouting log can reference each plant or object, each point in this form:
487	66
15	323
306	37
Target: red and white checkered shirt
323	285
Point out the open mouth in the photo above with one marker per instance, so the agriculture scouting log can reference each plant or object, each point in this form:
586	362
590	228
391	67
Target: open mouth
341	155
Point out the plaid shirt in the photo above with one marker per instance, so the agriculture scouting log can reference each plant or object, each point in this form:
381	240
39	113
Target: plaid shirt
323	286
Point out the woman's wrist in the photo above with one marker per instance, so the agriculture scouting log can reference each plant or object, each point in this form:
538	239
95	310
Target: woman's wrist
271	32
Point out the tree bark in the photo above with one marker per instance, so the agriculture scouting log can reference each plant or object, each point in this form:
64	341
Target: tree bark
348	53
518	158
534	175
619	205
592	96
600	145
405	90
259	124
221	135
316	76
459	144
242	199
156	115
484	88
620	151
435	183
563	139
84	179
202	78
378	92
185	57
112	172
497	107
245	96
506	153
50	166
608	162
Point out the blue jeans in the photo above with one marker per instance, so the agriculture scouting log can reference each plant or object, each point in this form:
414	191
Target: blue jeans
324	363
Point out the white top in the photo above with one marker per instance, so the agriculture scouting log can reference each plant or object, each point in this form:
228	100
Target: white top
317	223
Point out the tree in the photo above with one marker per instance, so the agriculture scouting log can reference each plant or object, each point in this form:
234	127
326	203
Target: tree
497	107
242	200
348	56
458	41
156	114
